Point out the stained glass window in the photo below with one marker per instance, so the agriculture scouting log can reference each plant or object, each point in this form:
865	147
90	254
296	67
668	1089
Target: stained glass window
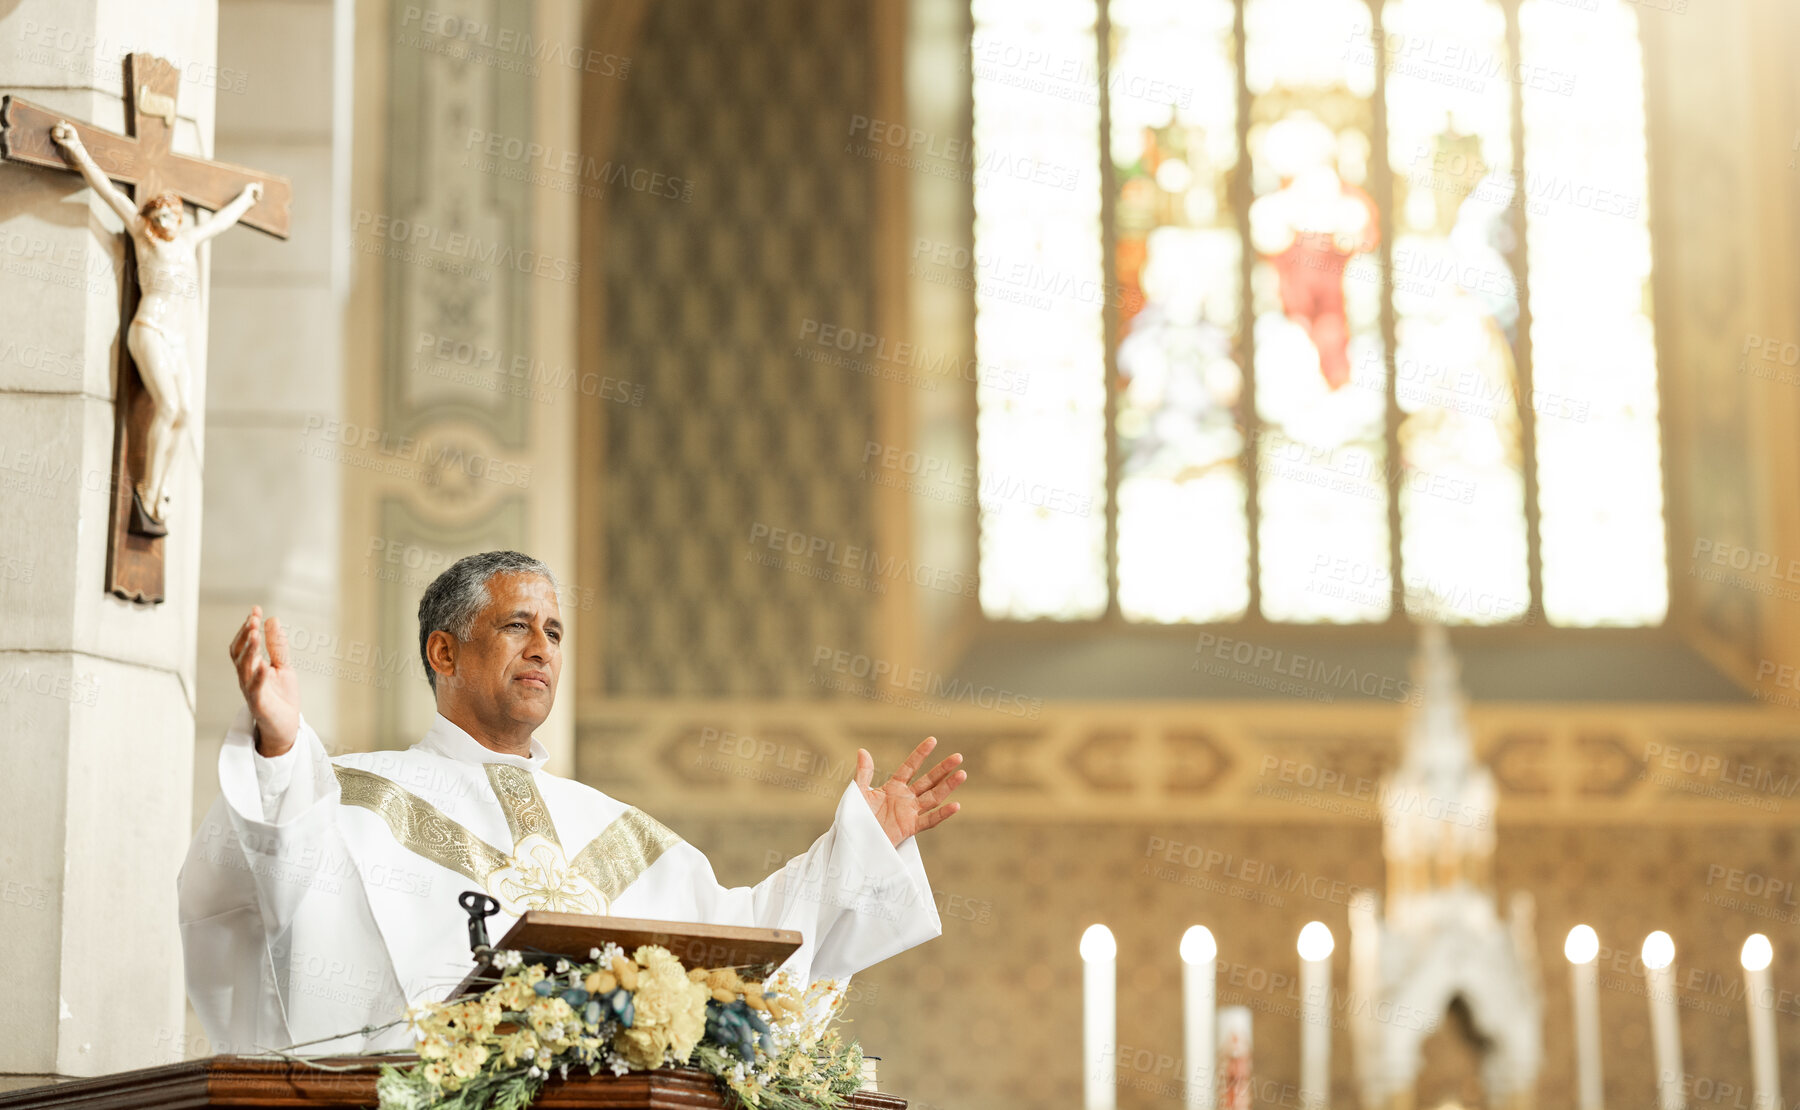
1372	341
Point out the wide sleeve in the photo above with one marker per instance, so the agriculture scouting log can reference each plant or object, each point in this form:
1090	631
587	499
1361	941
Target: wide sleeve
268	885
853	896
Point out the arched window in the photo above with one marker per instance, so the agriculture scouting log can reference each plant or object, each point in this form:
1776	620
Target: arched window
1326	318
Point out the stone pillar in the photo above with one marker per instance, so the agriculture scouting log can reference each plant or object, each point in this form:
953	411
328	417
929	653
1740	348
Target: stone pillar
97	694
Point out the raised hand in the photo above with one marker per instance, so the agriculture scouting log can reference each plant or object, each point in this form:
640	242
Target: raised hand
271	686
66	136
905	807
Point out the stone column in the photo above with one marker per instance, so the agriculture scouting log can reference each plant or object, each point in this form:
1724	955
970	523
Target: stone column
97	695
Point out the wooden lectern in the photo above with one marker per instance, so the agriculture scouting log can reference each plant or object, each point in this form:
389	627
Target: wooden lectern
234	1082
244	1082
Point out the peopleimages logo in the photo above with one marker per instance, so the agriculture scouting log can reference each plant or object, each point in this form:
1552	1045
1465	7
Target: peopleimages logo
860	560
884	673
1337	676
419	236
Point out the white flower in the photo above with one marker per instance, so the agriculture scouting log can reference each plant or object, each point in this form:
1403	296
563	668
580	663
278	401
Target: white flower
534	1071
593	953
562	966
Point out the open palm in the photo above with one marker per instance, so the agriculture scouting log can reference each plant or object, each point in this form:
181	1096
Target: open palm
902	806
271	687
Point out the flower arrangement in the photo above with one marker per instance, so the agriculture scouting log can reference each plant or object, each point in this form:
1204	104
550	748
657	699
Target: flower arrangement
622	1013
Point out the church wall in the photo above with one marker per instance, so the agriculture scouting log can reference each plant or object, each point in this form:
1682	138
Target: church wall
740	305
989	1015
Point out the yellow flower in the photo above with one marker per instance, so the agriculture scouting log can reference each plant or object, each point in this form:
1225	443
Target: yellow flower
514	1047
669	1011
642	1046
626	972
434	1074
547	1017
434	1046
601	982
466	1060
514	994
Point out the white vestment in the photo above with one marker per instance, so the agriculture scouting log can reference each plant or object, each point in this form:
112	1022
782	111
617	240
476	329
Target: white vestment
320	895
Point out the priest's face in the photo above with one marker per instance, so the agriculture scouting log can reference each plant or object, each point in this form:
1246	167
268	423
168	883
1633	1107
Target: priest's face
506	672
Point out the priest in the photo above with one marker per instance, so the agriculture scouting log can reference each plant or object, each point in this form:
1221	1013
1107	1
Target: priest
319	897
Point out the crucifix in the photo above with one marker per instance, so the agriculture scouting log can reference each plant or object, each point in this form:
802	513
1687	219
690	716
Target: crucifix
161	285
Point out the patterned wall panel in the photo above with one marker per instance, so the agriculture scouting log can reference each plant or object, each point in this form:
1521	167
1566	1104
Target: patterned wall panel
989	1015
709	286
457	234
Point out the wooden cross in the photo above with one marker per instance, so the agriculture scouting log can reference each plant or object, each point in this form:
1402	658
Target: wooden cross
144	164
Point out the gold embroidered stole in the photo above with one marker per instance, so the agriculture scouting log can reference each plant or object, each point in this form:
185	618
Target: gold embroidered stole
537	874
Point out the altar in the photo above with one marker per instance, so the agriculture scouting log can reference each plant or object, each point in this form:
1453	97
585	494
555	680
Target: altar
231	1082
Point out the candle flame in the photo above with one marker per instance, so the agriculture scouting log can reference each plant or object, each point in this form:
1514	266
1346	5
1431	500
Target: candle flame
1097	944
1659	950
1583	944
1757	952
1316	942
1198	945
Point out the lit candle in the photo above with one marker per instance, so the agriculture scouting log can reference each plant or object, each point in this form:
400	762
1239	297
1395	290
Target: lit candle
1581	948
1198	979
1665	1019
1099	980
1759	996
1315	1015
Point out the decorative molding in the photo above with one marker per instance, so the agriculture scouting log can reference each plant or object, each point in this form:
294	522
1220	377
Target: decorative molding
1201	761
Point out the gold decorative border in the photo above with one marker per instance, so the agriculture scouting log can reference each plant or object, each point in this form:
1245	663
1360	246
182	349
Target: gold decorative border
526	813
419	826
1249	761
625	849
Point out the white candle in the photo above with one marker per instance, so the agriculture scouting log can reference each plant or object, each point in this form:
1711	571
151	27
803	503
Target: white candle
1759	997
1581	948
1315	1015
1099	1030
1665	1019
1199	970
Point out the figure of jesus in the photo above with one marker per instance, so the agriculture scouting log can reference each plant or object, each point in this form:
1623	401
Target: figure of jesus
169	278
1309	230
320	896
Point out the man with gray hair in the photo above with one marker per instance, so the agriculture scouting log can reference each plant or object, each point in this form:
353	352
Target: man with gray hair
319	898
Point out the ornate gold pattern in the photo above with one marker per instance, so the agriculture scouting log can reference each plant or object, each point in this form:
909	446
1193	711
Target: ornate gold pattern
624	849
419	826
539	877
526	813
